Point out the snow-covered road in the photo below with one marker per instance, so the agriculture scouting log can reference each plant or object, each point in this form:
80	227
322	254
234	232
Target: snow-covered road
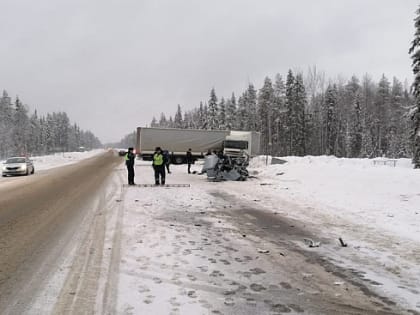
202	249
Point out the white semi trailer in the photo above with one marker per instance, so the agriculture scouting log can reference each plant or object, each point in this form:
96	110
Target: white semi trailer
178	141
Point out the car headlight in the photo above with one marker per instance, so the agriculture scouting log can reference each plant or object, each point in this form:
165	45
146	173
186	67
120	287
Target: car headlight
3	168
23	167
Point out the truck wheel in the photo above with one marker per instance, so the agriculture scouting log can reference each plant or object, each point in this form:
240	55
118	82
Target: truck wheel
178	160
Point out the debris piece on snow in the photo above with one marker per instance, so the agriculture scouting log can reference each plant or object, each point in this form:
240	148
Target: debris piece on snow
342	242
256	200
265	184
338	283
278	174
118	200
277	161
263	251
243	235
311	243
197	224
282	254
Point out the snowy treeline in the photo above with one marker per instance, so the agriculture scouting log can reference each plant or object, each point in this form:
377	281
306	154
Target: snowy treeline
22	133
297	116
415	55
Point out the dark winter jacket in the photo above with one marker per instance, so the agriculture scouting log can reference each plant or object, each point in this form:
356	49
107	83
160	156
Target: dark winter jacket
189	157
129	159
166	157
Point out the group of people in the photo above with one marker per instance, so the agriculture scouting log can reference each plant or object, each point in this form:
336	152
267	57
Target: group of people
161	161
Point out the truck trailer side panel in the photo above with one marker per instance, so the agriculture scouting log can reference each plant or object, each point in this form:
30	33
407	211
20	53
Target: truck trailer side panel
179	140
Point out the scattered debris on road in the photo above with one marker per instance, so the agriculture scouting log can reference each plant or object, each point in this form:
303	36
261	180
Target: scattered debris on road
311	243
263	251
342	242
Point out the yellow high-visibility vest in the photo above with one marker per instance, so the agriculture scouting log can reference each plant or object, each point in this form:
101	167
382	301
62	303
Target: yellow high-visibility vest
157	159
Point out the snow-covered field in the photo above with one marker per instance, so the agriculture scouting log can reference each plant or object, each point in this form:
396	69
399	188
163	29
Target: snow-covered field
374	208
379	196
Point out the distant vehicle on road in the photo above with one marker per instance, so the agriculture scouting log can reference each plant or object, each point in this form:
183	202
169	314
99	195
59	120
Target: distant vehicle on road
122	152
18	166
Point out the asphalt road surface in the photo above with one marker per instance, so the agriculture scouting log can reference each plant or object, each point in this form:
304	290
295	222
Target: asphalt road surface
38	215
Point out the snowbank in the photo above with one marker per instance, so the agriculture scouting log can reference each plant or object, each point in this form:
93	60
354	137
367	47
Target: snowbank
372	194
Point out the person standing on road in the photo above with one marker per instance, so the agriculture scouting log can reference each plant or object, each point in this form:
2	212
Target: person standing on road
189	160
166	160
129	162
159	166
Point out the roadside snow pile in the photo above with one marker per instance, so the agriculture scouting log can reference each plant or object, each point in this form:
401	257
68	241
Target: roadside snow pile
357	189
61	159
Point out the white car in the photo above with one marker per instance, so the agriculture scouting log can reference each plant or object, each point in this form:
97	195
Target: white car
18	166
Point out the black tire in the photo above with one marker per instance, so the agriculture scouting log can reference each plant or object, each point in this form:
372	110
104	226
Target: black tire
27	172
33	170
178	159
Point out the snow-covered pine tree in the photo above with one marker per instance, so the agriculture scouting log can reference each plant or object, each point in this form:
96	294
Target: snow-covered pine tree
330	121
154	122
265	114
381	116
213	111
63	127
279	117
354	123
242	117
291	114
50	130
163	123
367	106
200	116
300	109
34	141
231	113
222	114
395	134
171	122
20	128
409	105
415	56
251	108
6	126
178	123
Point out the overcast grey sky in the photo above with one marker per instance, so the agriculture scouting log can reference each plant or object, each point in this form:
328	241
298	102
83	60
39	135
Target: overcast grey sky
114	64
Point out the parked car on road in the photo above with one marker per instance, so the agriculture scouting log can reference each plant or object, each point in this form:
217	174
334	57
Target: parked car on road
18	166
